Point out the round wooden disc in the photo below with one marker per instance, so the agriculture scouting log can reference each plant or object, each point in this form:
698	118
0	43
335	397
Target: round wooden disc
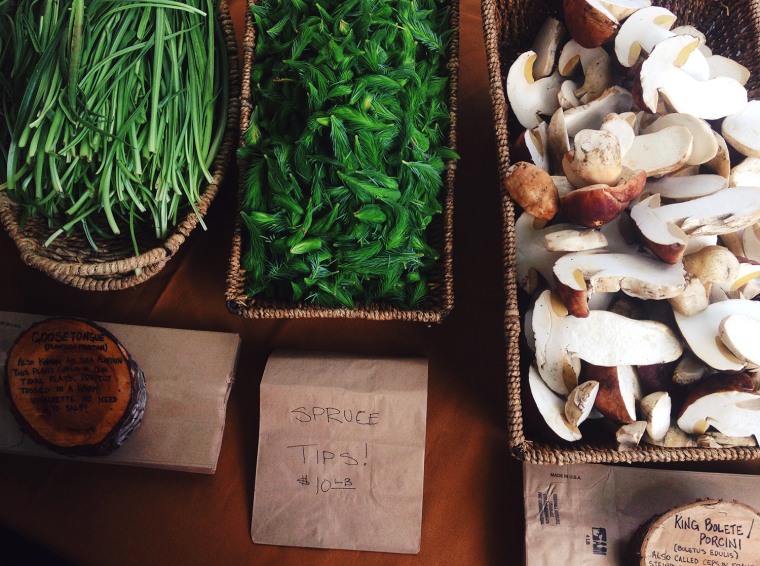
73	387
726	532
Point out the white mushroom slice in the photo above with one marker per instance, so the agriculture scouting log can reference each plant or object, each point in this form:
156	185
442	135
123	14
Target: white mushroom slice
594	159
531	256
739	334
674	438
582	273
629	435
686	188
580	402
595	64
566	96
721	163
701	332
573	55
751	243
603	338
574	240
614	100
742	129
662	74
622	129
704	147
530	98
746	173
725	402
546	44
536	140
559	141
661	152
642	31
666	229
621	9
655	408
551	407
690	30
724	67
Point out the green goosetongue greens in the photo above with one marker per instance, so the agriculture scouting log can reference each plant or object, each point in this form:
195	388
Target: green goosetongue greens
345	151
114	111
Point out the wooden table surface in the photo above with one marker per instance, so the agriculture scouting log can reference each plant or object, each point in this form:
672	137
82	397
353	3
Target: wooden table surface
88	513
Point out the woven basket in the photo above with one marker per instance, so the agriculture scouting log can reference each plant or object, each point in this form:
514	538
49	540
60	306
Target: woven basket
440	233
733	30
71	259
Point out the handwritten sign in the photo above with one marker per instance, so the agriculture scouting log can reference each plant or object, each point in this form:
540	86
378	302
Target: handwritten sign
341	452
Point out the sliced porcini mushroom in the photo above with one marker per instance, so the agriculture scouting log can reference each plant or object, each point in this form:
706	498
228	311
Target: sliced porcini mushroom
655	409
566	96
614	100
726	402
686	187
532	259
572	240
704	146
662	74
721	163
551	407
559	141
618	391
701	332
746	281
712	439
580	402
545	44
746	173
689	370
595	64
666	229
536	142
533	189
594	159
674	438
750	243
660	152
622	129
742	129
642	31
621	9
694	298
596	205
530	98
603	338
724	67
739	334
697	243
582	273
589	22
629	436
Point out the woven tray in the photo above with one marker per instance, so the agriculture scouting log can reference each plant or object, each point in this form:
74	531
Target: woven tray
440	233
71	259
733	30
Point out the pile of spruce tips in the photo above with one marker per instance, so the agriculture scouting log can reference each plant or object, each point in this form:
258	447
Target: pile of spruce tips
345	152
111	112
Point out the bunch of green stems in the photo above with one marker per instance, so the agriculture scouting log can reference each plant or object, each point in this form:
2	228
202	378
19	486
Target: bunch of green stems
115	112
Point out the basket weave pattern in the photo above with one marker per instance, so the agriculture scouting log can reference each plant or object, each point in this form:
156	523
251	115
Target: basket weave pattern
114	266
733	30
440	233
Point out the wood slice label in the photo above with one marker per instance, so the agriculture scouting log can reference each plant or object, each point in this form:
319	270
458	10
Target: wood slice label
712	532
70	380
